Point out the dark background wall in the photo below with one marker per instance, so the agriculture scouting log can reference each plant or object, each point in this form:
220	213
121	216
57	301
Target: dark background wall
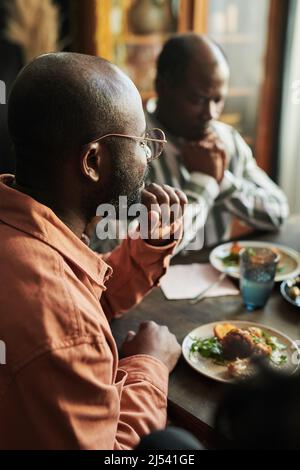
11	62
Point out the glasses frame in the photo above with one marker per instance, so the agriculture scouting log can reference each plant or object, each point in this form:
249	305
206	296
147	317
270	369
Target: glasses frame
138	139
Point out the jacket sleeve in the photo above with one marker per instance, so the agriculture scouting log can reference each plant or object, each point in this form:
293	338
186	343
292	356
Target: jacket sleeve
137	268
72	401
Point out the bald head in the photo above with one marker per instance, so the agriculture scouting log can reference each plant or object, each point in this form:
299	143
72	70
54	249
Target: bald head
185	50
59	106
61	101
192	84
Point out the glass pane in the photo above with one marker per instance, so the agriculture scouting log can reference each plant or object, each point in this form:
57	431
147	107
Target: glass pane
240	27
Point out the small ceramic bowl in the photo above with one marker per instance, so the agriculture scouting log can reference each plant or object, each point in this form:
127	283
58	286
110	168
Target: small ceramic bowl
285	291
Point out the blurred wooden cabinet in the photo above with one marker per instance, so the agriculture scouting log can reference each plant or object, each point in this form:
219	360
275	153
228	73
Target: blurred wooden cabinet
131	33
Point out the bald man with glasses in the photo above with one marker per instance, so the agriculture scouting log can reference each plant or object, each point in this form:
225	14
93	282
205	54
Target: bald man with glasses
78	130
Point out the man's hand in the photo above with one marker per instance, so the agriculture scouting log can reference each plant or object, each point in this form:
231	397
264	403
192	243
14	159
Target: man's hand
155	341
207	156
164	212
165	207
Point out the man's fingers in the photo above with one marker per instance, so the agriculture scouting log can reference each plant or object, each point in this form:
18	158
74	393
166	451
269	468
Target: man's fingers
225	159
150	201
165	207
148	324
182	197
154	225
163	200
167	197
130	335
219	146
206	144
176	202
161	195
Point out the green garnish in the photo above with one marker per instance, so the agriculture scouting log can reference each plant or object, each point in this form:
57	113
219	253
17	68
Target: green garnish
273	342
230	261
278	359
256	340
208	347
250	252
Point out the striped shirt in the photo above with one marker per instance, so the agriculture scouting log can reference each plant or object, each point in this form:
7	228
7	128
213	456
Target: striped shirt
245	192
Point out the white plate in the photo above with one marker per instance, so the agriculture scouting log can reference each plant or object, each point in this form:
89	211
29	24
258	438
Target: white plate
289	260
207	367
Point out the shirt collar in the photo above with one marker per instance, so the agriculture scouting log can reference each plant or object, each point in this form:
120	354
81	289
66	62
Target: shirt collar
29	216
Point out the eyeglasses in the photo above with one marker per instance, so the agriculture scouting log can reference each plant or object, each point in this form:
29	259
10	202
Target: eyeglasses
152	143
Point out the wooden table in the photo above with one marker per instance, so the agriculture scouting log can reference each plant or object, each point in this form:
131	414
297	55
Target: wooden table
192	397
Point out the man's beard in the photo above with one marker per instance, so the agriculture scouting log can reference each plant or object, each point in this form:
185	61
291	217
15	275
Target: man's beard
125	187
133	198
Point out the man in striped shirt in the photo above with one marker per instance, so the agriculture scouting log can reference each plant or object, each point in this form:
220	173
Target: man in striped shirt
209	160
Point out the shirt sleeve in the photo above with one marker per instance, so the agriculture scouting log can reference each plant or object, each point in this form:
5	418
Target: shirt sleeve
253	196
71	401
137	267
144	400
202	191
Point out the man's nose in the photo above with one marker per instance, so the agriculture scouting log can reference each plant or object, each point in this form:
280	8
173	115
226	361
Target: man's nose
210	111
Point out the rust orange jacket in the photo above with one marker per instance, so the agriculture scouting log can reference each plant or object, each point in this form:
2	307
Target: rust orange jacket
63	385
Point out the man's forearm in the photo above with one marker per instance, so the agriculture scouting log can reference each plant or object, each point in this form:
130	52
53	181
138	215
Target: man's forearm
138	266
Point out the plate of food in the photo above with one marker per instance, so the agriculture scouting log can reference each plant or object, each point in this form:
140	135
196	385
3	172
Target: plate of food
290	290
224	351
225	258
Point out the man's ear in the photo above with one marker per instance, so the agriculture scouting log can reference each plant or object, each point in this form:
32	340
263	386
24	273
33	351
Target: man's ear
90	161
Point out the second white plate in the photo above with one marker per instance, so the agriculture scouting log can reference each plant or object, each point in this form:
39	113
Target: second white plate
289	263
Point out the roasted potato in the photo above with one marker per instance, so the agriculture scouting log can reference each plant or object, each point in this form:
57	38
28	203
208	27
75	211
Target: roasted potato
223	329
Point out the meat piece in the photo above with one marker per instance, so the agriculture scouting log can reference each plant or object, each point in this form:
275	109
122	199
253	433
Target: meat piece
237	344
240	343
